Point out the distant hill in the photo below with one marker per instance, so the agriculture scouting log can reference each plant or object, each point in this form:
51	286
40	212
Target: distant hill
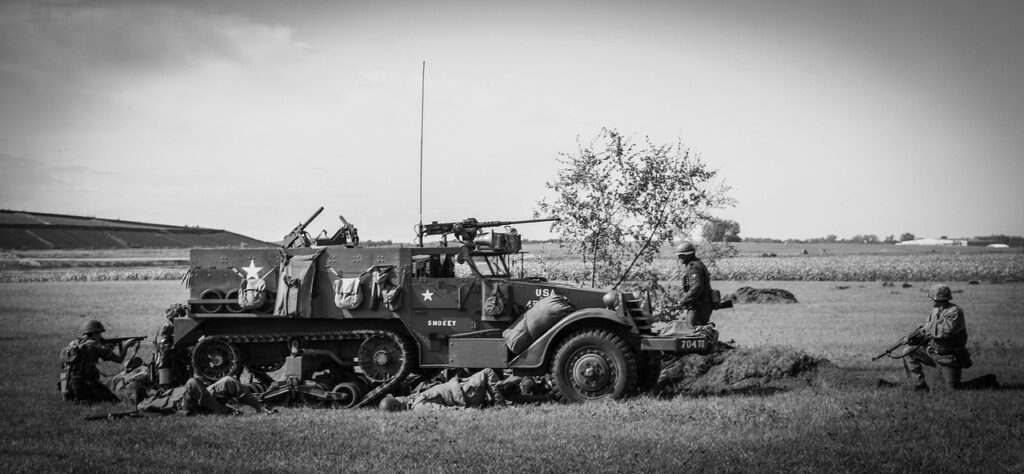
41	231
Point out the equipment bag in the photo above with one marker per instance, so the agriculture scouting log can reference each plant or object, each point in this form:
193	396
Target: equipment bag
536	321
386	290
348	293
295	287
252	293
69	357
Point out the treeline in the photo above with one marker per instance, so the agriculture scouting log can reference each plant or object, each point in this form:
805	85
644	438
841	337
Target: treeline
1011	240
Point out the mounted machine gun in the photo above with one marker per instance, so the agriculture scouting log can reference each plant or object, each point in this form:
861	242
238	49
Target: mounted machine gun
298	236
347	235
468	229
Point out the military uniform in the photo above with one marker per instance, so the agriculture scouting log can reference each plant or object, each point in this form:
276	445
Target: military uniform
475	391
946	331
193	398
83	376
171	363
697	293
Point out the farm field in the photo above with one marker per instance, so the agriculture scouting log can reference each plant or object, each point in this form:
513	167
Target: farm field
838	262
838	421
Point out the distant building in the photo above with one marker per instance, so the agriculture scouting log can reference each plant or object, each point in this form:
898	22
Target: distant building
945	241
930	241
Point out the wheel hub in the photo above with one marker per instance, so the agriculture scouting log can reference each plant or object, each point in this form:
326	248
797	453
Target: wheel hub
591	372
381	357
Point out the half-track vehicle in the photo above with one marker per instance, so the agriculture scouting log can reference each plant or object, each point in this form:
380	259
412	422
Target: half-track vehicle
330	322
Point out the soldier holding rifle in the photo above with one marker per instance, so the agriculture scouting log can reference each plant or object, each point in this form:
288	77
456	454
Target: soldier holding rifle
80	376
942	343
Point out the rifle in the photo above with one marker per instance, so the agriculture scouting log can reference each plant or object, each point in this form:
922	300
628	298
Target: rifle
297	237
120	340
915	339
115	416
467	229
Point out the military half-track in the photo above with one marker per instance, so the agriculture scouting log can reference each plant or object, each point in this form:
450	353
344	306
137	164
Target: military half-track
344	325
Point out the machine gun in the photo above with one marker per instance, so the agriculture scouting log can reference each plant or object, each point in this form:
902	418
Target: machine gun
347	235
298	237
466	230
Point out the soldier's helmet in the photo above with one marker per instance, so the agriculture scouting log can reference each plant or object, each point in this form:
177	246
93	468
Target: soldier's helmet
176	310
390	403
940	292
92	326
686	248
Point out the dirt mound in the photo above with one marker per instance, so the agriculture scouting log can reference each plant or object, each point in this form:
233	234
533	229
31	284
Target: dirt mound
739	370
747	294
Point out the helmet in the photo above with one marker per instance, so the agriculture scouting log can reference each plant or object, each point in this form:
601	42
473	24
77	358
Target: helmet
511	391
390	403
940	292
176	310
92	326
686	248
527	385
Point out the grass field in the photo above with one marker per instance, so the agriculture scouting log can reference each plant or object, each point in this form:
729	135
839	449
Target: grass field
838	423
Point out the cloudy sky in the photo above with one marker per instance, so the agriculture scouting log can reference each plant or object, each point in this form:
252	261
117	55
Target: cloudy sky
825	117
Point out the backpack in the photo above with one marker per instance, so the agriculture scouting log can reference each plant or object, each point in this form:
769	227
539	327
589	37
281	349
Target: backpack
69	358
347	293
252	293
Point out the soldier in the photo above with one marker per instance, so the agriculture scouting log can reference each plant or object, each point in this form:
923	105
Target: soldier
477	391
942	341
696	286
80	377
170	363
131	384
194	398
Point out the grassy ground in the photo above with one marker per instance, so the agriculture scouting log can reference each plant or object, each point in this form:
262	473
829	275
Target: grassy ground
839	422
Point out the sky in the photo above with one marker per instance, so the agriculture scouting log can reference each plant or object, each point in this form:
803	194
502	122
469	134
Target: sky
823	116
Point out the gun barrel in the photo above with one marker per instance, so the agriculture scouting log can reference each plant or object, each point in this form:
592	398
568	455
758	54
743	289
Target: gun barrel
310	220
524	221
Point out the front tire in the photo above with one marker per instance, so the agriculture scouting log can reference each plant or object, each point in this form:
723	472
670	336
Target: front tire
593	364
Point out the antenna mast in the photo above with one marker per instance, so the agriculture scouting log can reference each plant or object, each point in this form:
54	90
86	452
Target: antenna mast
423	80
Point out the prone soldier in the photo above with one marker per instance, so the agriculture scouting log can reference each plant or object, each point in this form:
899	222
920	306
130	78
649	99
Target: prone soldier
196	398
478	390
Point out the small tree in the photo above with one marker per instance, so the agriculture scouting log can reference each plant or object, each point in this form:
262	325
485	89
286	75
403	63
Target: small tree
621	201
721	230
906	236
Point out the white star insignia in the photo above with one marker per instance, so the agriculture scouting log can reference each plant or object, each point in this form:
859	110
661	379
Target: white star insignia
252	272
428	296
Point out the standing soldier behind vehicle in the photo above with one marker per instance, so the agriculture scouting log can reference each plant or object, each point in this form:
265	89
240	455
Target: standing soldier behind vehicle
80	376
697	299
942	341
170	363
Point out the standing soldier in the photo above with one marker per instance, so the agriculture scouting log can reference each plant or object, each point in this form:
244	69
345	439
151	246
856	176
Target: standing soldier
170	363
942	341
80	377
697	300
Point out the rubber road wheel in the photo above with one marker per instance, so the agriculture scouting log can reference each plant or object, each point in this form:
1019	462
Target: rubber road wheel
213	359
593	364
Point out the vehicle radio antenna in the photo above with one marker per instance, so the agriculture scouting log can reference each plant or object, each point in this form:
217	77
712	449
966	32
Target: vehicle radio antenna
423	89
